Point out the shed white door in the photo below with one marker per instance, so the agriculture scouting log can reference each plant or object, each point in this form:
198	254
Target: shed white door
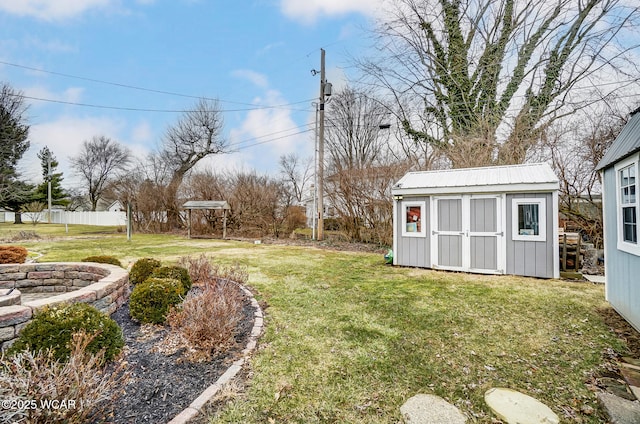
467	233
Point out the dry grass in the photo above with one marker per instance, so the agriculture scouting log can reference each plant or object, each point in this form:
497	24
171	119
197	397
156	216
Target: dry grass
38	389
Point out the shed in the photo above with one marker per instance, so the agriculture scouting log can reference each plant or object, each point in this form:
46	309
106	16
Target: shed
208	205
619	170
490	220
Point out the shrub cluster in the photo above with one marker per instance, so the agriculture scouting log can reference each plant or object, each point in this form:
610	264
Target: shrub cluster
103	259
151	300
142	269
12	255
39	377
176	273
53	328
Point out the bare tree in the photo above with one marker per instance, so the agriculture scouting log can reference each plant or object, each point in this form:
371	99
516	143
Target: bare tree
352	134
361	166
99	162
481	79
575	152
196	135
296	174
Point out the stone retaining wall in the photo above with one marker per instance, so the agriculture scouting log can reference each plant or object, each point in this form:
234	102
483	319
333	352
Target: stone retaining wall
104	286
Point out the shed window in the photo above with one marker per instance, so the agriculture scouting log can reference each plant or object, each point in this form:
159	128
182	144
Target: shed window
413	219
529	219
627	185
627	177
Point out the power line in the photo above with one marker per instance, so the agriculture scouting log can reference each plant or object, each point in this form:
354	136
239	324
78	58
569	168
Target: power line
135	109
271	140
133	87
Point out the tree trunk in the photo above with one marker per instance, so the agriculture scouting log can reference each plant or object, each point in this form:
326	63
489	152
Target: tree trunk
17	218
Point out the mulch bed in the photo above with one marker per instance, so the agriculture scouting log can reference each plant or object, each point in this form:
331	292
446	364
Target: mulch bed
160	386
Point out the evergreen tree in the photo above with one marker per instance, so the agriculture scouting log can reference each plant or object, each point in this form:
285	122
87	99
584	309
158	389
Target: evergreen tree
14	143
49	164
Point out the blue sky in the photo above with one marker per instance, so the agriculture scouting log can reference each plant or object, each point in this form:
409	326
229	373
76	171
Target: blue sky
114	54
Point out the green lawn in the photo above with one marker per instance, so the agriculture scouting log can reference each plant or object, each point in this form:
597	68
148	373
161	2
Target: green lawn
349	339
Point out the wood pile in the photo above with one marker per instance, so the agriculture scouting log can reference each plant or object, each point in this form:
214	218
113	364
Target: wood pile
571	251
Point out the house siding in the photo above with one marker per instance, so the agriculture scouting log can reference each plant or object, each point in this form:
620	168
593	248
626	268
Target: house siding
621	268
413	251
531	258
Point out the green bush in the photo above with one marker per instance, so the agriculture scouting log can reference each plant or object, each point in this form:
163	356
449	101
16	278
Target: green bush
12	254
151	301
53	328
174	272
103	259
142	269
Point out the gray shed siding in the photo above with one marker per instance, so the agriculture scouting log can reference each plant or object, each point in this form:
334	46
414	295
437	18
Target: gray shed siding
413	251
622	268
531	258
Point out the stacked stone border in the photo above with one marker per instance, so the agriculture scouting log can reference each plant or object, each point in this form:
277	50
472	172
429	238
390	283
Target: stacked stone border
104	286
190	412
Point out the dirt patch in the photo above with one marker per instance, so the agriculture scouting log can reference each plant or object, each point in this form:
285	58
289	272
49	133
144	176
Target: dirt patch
623	330
160	385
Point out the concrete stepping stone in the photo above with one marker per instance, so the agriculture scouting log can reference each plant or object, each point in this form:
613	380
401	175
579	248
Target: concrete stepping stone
517	408
430	409
620	411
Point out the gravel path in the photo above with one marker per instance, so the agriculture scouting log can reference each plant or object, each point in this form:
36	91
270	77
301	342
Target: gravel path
161	386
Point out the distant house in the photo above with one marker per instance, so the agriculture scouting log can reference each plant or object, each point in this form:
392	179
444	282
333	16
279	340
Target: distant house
491	220
115	207
619	169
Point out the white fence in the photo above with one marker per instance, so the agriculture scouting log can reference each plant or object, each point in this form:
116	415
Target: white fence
66	217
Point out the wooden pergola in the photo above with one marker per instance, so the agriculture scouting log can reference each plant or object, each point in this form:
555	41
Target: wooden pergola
208	205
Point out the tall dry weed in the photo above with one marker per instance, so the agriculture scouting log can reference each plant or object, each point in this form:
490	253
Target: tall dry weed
35	388
209	317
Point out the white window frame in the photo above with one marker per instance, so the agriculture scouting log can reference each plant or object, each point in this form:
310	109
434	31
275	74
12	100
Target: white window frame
625	246
542	219
423	221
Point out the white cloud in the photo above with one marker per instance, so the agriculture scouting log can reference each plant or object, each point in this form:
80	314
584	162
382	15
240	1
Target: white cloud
310	10
266	134
64	138
51	46
71	95
142	133
51	10
257	79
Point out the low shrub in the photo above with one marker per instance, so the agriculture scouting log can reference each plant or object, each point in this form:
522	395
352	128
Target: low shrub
39	378
142	269
53	328
151	301
176	273
103	259
209	320
13	255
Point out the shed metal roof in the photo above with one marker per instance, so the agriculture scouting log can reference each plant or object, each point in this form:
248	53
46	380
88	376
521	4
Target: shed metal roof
626	143
206	204
490	179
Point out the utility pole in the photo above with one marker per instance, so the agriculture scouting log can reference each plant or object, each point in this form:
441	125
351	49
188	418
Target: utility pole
49	183
324	89
315	177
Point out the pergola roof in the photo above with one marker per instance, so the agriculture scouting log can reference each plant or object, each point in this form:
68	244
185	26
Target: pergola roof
206	204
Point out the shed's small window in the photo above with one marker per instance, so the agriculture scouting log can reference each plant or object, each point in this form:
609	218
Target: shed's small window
529	219
627	182
413	219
